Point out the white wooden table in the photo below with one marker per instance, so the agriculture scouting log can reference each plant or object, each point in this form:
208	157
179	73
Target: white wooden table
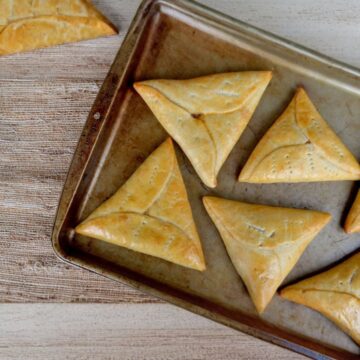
51	310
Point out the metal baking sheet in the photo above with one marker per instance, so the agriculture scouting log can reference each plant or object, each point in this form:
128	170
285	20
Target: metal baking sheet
181	39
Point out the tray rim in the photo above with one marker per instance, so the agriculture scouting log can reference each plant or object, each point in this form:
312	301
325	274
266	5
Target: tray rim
87	141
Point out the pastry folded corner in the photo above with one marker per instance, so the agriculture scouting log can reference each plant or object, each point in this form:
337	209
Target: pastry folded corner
352	222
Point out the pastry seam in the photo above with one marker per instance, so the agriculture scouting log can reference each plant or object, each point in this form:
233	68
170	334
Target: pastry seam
143	214
322	291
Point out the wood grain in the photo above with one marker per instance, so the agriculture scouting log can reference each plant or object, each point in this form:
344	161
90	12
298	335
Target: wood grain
44	100
127	331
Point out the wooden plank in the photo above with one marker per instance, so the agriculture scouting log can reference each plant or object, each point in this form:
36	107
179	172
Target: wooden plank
44	100
147	331
40	126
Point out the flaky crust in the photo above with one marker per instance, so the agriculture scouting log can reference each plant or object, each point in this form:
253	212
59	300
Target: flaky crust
352	223
32	24
207	115
334	293
300	147
263	242
150	213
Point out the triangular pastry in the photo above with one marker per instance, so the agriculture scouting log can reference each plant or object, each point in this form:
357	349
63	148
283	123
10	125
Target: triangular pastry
206	115
300	147
150	213
334	293
264	242
352	223
32	24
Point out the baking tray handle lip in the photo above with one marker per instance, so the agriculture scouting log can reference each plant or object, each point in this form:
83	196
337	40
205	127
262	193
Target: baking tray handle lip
243	26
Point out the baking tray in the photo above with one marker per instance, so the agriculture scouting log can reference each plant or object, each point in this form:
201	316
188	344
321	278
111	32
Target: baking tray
181	39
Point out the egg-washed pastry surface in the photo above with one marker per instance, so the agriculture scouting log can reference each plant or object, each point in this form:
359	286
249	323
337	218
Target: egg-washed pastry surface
334	293
150	213
207	115
300	147
32	24
352	223
264	242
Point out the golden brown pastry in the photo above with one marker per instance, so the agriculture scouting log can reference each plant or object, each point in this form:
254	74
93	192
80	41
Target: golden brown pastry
352	223
264	242
206	115
150	213
32	24
335	293
300	147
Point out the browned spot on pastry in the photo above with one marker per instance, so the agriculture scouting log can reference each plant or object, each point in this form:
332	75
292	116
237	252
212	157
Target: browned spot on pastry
196	116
